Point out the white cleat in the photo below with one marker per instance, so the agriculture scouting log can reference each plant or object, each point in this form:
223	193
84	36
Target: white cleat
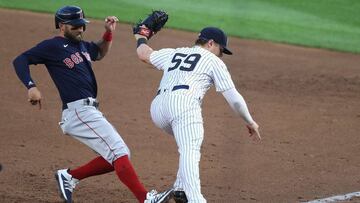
66	184
154	197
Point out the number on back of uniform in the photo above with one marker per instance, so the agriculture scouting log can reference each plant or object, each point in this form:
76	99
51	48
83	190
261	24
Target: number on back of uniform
187	62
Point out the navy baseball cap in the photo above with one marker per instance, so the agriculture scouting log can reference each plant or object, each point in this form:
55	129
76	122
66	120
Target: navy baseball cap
217	35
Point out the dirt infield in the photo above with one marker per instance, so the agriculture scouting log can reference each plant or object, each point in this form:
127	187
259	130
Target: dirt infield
307	102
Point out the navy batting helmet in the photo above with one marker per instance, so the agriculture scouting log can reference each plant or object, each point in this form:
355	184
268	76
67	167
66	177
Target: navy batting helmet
72	15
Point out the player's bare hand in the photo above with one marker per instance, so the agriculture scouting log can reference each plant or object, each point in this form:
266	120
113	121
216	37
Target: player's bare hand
34	96
110	23
254	131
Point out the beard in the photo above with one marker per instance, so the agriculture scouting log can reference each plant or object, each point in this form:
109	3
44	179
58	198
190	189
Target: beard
72	37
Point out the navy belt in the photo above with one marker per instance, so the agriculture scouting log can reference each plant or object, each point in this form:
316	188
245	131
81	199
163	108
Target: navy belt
177	87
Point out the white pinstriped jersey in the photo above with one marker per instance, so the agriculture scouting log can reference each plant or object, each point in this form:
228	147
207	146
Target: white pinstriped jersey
188	73
193	66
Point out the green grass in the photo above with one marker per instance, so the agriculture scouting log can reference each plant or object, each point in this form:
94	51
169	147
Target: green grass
331	24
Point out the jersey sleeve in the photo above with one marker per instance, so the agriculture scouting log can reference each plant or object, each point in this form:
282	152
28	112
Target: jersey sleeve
40	53
93	50
221	76
36	55
160	58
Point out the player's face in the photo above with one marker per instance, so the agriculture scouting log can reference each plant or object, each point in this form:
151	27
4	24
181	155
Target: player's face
221	50
217	49
73	33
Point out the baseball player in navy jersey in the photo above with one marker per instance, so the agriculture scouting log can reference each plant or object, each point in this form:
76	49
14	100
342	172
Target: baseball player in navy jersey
67	58
188	73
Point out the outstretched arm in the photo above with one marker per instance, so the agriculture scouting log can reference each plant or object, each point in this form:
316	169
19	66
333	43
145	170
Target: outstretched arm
145	29
105	43
238	104
143	50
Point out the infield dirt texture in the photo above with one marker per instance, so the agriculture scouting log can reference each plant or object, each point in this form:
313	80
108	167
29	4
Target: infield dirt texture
307	102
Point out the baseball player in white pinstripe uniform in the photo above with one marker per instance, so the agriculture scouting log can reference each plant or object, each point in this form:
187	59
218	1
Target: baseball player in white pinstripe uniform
187	75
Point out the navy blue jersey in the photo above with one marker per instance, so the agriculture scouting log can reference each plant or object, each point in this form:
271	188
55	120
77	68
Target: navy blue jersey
68	63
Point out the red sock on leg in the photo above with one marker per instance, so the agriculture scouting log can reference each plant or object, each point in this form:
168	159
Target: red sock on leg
95	167
127	175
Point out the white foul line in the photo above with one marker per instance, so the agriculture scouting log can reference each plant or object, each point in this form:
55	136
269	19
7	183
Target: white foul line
336	198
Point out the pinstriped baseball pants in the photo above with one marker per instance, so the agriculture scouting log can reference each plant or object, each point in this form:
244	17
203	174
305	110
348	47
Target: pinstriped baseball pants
180	115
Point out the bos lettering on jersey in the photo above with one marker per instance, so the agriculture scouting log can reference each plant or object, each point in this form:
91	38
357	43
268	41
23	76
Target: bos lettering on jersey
73	59
69	65
76	59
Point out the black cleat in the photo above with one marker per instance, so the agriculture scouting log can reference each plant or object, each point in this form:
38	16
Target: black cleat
180	196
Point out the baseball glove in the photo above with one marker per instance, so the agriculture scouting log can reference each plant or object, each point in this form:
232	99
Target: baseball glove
152	24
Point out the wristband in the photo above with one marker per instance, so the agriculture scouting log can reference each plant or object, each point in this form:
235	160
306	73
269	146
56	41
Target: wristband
30	85
107	36
141	41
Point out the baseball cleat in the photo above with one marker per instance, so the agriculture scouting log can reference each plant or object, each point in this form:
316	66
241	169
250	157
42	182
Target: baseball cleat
66	184
180	196
154	197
